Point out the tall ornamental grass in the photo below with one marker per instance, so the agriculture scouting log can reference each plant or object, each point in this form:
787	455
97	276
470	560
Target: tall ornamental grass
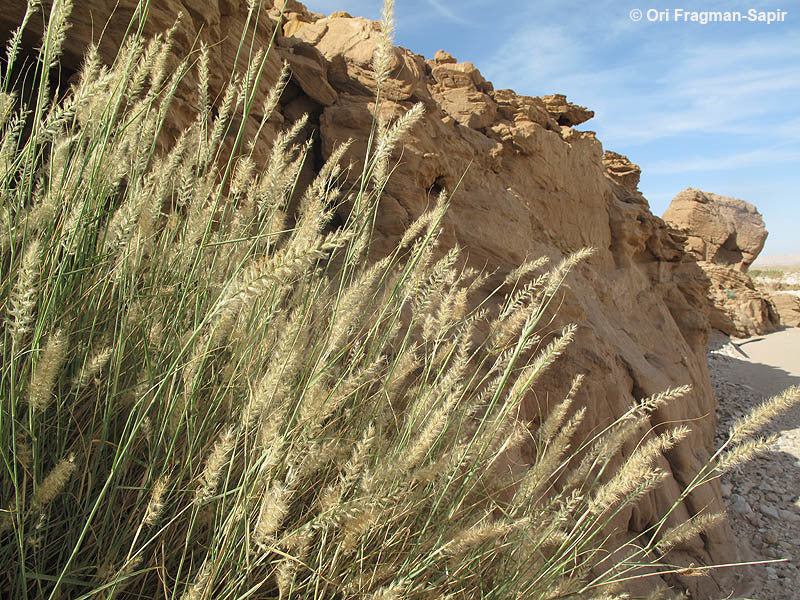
206	394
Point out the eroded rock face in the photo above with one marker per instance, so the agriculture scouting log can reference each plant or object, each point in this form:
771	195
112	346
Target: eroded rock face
788	308
726	235
721	230
741	308
530	185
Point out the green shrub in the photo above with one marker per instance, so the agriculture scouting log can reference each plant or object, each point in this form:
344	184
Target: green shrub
204	395
765	273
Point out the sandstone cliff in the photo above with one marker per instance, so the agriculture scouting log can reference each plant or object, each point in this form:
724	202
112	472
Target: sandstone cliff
726	235
527	183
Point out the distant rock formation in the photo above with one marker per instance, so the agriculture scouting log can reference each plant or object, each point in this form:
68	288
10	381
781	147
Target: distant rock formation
743	308
787	306
721	230
527	184
726	235
777	260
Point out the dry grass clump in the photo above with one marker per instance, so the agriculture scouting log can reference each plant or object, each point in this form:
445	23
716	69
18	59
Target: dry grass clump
197	404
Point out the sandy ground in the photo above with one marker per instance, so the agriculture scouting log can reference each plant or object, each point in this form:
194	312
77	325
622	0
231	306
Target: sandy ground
763	496
773	361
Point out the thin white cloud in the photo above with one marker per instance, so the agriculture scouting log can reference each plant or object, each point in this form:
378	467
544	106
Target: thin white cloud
442	8
752	158
656	89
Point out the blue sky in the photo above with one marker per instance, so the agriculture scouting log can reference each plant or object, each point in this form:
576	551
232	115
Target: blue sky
714	106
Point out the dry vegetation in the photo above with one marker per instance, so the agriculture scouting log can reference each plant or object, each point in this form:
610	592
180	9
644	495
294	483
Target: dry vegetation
206	396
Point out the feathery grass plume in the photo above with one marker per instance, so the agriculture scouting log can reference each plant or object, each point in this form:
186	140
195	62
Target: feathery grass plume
388	140
360	521
520	308
558	274
485	531
43	378
603	449
353	471
542	361
323	193
416	451
743	452
255	63
90	71
158	69
261	277
54	483
282	168
11	126
56	31
763	414
361	378
285	572
25	293
299	544
271	103
309	459
143	61
382	59
424	222
92	368
15	41
215	463
636	470
227	109
199	589
8	101
393	591
548	464
649	405
271	513
555	418
524	269
155	506
242	175
22	450
405	364
352	304
203	79
299	449
686	531
121	228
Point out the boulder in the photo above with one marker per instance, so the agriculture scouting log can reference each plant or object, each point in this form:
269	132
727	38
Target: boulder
566	113
787	306
349	44
741	308
725	235
622	170
721	230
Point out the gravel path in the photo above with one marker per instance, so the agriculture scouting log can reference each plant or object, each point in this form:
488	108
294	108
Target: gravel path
763	497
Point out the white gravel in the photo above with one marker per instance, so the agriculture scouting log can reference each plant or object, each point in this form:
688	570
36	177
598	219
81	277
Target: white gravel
763	496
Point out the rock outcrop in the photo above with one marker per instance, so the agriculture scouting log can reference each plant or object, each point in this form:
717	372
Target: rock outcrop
788	308
526	184
742	307
726	235
783	292
721	230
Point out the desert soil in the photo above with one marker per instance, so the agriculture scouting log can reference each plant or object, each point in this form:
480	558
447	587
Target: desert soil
763	497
